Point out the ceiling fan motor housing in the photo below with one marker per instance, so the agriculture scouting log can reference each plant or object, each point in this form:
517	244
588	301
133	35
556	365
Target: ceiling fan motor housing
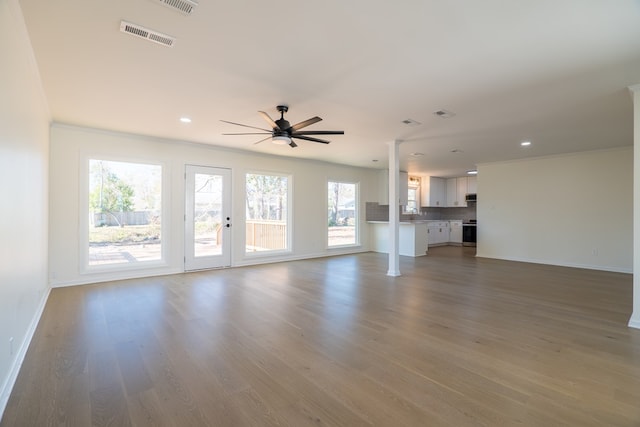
284	127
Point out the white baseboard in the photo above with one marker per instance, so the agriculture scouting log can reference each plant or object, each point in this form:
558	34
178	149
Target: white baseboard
126	275
7	386
557	264
270	259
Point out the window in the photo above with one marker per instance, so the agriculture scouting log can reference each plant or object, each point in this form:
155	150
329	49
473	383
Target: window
342	213
413	196
412	201
267	215
125	221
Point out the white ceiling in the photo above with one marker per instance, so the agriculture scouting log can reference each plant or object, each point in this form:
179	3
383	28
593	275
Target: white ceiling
554	72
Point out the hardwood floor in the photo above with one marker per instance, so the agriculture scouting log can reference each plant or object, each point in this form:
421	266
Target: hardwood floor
455	341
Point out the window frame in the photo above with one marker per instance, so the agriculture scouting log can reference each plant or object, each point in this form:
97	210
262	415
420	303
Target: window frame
414	185
84	210
357	214
289	215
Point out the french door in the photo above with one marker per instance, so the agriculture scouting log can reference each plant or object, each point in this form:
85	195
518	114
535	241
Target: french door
207	218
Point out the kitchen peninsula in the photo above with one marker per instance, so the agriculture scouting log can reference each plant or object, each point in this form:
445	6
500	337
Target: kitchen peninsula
412	239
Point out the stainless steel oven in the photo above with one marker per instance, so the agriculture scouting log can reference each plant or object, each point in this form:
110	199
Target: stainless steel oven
469	230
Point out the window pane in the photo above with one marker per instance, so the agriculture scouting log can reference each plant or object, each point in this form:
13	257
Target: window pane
342	214
207	215
266	224
124	212
412	201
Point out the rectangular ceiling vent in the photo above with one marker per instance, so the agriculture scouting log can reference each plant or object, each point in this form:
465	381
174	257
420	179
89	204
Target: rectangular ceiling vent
411	122
147	34
183	6
444	114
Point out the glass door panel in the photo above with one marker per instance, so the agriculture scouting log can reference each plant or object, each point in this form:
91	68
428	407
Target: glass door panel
208	218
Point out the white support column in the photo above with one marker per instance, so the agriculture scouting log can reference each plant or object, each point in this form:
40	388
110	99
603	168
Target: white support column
634	322
394	212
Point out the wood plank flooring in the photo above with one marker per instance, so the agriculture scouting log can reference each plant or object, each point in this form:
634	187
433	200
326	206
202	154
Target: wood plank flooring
455	341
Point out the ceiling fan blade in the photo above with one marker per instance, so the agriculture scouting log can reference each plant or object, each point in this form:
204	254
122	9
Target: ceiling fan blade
319	132
262	140
293	144
249	133
305	123
269	120
308	138
247	126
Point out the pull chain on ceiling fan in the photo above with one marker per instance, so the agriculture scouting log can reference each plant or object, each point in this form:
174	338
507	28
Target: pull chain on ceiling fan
283	133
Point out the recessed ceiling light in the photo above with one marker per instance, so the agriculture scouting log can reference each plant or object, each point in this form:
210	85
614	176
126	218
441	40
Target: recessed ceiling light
185	119
374	160
525	143
473	172
411	122
417	154
456	150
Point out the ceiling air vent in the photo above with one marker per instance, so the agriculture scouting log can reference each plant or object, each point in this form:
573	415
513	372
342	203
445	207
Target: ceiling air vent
183	6
411	122
147	34
444	114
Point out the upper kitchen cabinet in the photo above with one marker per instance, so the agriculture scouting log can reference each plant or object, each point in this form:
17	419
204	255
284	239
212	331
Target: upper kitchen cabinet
383	188
472	184
457	189
432	191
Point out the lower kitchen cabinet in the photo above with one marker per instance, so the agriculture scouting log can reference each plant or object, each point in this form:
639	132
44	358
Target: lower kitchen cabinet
437	233
455	232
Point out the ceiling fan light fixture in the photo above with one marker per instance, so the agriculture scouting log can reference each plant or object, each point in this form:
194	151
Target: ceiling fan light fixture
281	140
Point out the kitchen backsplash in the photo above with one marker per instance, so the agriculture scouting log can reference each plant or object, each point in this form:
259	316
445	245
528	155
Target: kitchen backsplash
376	212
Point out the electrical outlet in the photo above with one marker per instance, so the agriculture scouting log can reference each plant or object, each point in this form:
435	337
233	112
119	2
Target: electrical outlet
11	346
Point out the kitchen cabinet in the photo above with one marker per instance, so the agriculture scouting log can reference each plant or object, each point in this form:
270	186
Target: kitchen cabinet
383	188
412	239
432	191
456	192
455	232
437	233
472	184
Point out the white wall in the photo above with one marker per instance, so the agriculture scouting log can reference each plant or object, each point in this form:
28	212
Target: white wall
72	145
24	136
571	210
635	317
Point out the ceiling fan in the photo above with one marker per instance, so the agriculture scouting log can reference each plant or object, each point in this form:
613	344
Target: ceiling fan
283	133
